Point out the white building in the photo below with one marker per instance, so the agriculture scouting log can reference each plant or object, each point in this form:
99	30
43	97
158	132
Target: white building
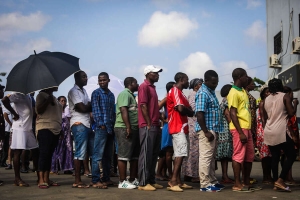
283	43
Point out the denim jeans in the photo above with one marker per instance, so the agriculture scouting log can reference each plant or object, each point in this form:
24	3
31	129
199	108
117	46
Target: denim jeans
81	135
103	146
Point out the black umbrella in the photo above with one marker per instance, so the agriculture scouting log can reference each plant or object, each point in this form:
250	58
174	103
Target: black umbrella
41	71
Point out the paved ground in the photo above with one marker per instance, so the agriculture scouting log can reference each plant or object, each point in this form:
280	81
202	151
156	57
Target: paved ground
8	191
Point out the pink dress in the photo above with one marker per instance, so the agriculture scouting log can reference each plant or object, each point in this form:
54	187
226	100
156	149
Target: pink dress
262	147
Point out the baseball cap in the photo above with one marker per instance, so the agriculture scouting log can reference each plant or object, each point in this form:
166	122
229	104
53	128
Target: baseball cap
151	68
2	87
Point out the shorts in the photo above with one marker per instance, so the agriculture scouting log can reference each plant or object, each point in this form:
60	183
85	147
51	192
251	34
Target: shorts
242	152
128	148
24	140
81	136
180	145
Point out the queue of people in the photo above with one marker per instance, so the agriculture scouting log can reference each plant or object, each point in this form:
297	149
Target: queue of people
188	135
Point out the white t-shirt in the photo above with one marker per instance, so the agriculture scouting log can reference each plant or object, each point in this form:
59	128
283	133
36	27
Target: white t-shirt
23	107
76	95
7	125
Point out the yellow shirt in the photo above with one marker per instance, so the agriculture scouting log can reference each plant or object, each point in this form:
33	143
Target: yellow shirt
238	98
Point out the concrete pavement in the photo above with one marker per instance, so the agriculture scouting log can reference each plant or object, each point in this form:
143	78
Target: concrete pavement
11	192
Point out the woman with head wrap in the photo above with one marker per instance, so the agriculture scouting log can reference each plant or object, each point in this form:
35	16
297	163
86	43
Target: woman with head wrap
224	148
278	107
190	166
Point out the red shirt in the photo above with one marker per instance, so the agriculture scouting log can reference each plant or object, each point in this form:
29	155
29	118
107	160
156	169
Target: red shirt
147	95
177	123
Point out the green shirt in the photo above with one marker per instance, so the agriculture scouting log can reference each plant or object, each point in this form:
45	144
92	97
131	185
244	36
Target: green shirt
126	99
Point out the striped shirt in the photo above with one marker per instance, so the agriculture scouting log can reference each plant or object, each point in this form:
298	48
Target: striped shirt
207	102
103	107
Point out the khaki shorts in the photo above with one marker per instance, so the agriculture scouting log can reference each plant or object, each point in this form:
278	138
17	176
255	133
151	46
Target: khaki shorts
180	144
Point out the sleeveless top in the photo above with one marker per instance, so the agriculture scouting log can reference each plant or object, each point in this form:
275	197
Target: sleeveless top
276	126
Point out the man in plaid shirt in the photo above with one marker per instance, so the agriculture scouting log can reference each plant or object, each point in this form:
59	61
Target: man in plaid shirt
207	127
103	106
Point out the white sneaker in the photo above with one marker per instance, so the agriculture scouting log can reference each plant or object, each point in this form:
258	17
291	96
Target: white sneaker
135	182
126	185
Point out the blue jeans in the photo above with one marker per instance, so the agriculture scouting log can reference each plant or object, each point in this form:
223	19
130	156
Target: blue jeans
81	135
103	147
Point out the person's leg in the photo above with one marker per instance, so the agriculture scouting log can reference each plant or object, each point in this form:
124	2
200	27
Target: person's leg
211	153
238	156
99	144
249	157
135	151
275	151
144	157
54	142
16	161
86	164
266	167
155	142
160	164
169	161
5	148
133	170
80	133
224	166
35	159
289	151
107	157
23	167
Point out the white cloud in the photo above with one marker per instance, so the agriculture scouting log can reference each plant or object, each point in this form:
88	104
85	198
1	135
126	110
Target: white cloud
13	53
227	67
257	31
196	64
15	23
251	4
166	29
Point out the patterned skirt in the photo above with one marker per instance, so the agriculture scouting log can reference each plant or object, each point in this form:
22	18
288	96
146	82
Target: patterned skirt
224	148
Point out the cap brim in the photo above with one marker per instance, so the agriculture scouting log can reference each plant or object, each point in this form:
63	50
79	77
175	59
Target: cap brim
157	70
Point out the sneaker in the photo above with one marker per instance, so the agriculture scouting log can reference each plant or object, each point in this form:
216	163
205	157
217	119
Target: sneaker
218	185
135	182
126	185
210	188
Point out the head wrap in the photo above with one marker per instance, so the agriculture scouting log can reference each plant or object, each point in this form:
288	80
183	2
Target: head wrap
195	82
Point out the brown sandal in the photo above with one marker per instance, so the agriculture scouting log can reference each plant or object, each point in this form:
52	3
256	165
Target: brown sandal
21	183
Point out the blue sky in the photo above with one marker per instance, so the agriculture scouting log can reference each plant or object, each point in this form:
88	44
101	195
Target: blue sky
121	37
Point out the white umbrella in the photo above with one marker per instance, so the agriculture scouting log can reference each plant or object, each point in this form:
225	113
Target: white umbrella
115	85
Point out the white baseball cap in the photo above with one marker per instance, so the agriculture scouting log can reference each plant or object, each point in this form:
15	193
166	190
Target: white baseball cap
151	68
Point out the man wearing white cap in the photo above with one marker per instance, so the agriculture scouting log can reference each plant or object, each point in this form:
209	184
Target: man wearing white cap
149	129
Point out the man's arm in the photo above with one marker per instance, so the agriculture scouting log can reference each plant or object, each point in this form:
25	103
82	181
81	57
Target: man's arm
6	103
42	103
201	121
235	121
5	115
184	111
291	110
125	118
82	108
145	114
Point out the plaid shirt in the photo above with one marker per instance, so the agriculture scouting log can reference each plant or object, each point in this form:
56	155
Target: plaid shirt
207	102
103	106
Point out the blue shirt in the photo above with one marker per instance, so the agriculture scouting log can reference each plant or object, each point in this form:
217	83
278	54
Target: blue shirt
207	102
103	107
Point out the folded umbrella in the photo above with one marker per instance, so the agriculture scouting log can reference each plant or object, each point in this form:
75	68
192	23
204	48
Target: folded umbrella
41	71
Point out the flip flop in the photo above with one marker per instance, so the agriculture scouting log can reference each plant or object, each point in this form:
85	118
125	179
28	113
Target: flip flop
99	186
21	183
88	175
185	186
81	185
175	188
255	188
244	189
52	183
287	189
43	186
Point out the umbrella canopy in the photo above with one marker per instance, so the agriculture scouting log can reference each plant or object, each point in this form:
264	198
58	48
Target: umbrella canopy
115	85
41	71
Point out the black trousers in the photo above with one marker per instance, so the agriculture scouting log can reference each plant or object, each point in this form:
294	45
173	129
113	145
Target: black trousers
5	148
288	148
47	143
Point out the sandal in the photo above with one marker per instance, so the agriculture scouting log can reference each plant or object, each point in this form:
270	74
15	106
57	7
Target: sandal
52	183
243	189
21	183
99	185
43	186
175	188
287	189
185	186
80	185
